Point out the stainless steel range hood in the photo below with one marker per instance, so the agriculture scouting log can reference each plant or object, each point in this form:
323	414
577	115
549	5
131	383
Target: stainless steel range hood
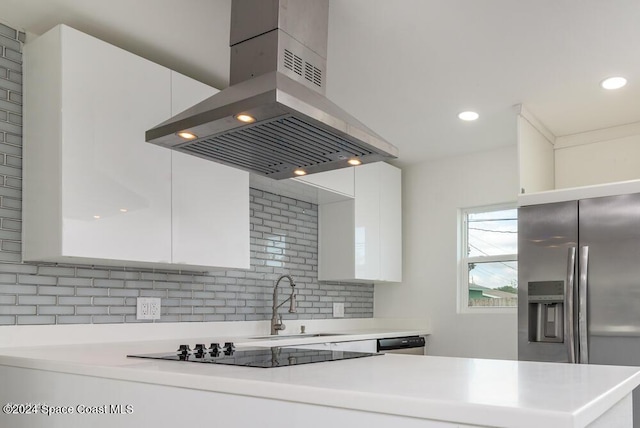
278	70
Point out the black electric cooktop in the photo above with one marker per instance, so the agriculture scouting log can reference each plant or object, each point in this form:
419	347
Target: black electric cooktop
254	357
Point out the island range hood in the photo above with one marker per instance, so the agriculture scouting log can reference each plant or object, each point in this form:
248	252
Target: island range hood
274	119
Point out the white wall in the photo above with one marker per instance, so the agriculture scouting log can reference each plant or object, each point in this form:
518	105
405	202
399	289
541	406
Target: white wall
432	194
596	157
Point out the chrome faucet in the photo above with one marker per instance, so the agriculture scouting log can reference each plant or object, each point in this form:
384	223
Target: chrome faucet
276	320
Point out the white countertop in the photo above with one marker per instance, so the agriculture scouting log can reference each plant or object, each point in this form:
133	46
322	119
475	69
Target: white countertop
472	391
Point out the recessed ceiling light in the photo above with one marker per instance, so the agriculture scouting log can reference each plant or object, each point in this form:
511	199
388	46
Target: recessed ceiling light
123	210
187	135
245	118
354	162
613	82
300	172
96	217
468	115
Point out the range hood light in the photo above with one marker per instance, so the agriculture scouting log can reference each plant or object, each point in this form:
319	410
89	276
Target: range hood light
299	172
354	162
187	135
245	118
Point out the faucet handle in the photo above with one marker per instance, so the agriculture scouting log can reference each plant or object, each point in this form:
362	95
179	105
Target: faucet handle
279	325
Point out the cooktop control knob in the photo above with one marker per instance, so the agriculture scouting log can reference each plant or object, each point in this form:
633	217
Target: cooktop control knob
200	349
229	348
215	349
184	350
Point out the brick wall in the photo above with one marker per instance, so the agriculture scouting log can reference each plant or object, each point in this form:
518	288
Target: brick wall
284	239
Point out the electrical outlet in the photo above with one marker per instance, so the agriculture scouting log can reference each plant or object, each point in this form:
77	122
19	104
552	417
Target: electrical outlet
338	310
148	308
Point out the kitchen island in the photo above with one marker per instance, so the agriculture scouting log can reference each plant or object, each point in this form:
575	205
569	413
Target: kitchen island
97	385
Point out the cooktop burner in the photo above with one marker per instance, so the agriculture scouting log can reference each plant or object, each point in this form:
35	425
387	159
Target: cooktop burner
253	357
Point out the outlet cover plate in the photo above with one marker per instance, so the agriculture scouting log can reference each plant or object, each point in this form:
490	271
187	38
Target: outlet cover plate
338	310
148	308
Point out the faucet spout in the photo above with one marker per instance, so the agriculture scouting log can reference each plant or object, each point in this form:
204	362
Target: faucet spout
276	320
292	305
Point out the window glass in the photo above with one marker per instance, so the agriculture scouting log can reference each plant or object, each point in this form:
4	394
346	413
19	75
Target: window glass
492	233
489	269
493	284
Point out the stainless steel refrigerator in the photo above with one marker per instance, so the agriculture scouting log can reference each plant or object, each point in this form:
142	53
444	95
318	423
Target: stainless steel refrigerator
579	283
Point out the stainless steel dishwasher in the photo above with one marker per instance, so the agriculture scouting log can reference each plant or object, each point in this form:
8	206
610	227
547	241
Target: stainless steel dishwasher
402	345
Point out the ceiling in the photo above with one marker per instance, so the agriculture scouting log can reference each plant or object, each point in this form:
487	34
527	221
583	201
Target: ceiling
407	67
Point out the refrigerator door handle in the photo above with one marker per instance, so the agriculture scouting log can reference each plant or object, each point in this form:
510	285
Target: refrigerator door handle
569	320
583	345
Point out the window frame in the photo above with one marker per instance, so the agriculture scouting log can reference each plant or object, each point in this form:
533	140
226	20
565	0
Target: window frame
464	260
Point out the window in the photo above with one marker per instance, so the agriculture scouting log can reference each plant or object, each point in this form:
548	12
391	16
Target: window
488	259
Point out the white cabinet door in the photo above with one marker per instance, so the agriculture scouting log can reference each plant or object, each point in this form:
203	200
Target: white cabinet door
367	222
336	239
95	191
116	193
338	181
390	223
210	214
361	240
210	201
187	92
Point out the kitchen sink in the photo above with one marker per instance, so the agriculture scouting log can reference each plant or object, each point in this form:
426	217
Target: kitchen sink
295	336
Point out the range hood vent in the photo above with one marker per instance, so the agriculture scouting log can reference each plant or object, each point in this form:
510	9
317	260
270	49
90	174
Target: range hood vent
278	69
278	146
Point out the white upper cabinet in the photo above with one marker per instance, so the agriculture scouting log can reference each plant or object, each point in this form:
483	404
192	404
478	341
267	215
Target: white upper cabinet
94	190
115	193
367	222
536	156
339	181
319	188
210	201
361	239
590	158
390	179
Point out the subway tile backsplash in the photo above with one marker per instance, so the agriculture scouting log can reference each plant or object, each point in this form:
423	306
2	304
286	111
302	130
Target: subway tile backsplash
284	239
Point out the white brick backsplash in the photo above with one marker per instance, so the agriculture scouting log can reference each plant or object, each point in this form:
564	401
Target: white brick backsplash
107	319
92	310
53	290
40	319
36	300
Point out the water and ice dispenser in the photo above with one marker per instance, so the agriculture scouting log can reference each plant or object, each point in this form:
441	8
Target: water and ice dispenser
546	311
